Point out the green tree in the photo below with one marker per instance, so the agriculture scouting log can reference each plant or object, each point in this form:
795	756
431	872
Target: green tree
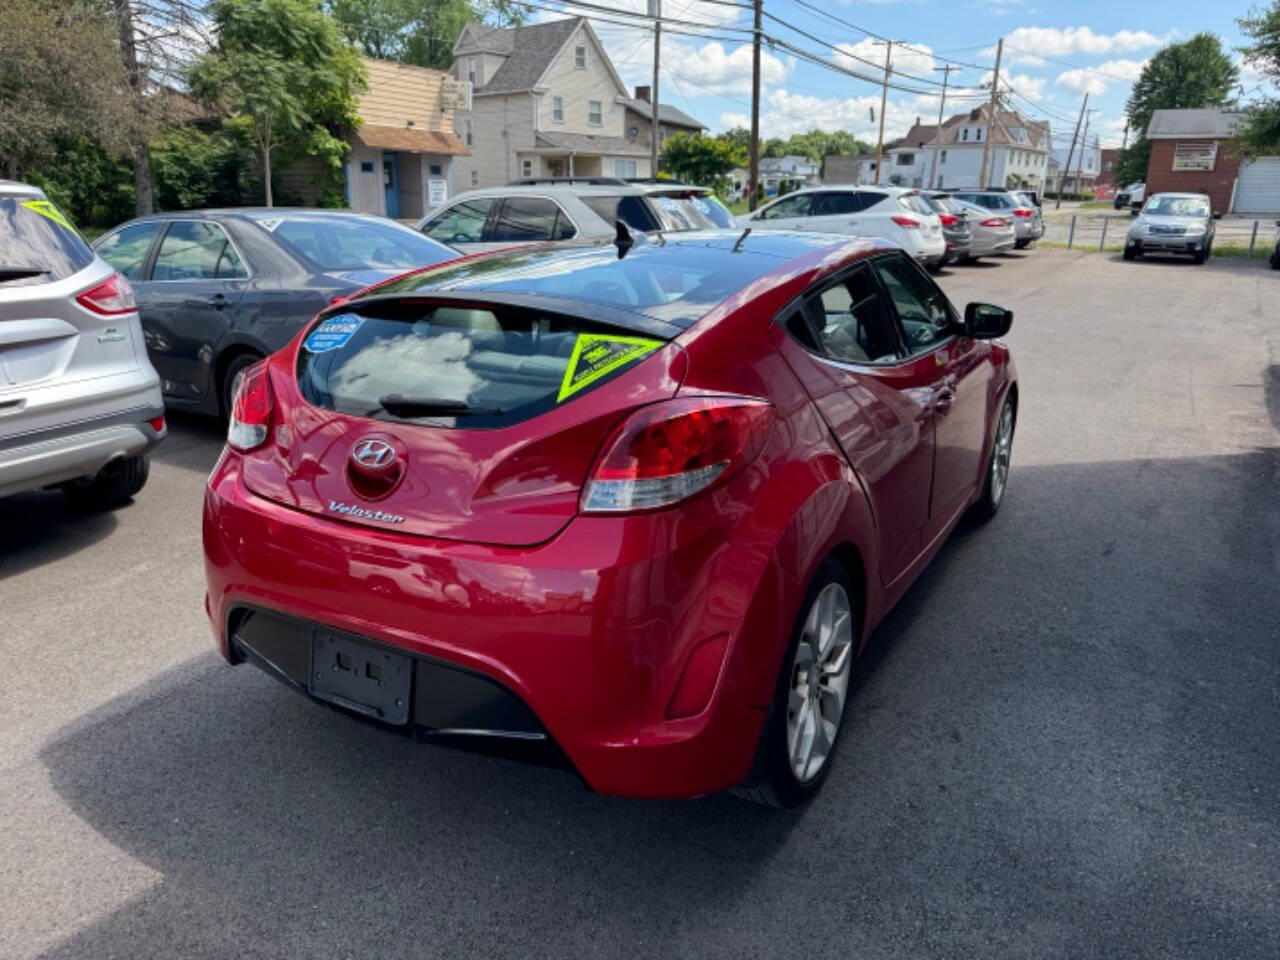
1195	73
286	77
773	147
700	159
419	32
1261	131
61	82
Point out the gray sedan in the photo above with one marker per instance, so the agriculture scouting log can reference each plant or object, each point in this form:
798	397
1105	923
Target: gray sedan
1176	223
991	231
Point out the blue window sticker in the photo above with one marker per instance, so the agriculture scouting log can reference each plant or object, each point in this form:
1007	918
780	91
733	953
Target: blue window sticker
332	333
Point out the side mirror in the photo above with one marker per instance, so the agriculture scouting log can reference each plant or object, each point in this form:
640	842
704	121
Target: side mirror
986	321
1217	214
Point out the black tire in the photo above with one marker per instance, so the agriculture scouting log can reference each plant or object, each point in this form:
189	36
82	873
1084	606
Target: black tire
1021	244
1201	255
1130	253
773	781
226	394
988	504
116	483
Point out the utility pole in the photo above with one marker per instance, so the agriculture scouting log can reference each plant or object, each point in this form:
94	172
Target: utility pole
1084	147
884	95
991	114
655	11
753	177
937	136
1066	167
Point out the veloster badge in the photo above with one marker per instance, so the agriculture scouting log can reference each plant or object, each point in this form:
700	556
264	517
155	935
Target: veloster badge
360	513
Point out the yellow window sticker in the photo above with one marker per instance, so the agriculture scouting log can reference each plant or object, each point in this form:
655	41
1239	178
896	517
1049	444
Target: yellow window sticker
47	209
596	355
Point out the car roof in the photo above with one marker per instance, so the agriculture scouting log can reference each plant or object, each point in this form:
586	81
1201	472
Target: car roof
555	190
739	257
15	188
1188	194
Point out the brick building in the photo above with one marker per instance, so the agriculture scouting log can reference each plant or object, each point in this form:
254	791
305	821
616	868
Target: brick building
1192	152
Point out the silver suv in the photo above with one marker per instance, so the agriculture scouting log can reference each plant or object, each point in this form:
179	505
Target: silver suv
555	208
80	404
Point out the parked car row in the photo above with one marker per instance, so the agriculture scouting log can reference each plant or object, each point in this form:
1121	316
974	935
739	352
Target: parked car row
632	505
935	227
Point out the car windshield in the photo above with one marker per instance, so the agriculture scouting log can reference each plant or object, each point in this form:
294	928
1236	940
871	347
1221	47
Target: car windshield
38	244
915	203
338	242
1162	206
947	205
1025	200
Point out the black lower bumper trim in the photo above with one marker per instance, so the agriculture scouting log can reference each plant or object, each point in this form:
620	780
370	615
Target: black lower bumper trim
447	703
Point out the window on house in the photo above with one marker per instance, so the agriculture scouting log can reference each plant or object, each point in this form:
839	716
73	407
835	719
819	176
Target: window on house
580	56
977	134
624	168
466	126
595	112
557	109
475	178
943	158
906	159
964	134
526	168
472	72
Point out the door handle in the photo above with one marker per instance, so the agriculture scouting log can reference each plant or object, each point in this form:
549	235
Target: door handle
944	400
218	301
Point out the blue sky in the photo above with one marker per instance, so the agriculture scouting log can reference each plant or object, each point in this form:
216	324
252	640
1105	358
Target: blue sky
1054	53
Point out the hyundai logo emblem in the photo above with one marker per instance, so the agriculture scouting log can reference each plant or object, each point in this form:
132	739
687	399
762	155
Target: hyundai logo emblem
373	454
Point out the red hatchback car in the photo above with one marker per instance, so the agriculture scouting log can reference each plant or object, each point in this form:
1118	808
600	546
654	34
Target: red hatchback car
638	505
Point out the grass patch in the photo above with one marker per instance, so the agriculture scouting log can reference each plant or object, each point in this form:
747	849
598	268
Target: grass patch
1261	251
1097	205
738	207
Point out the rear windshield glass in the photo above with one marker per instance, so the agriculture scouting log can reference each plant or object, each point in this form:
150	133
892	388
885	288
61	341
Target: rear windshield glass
946	205
38	244
354	243
690	211
915	203
633	211
649	276
460	366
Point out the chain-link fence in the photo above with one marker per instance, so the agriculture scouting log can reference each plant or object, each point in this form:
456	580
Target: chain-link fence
1106	231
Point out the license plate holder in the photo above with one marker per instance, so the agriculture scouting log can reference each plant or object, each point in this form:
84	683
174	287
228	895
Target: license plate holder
361	677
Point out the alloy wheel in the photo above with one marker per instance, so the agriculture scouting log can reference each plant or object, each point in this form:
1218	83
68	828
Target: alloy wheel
819	682
1000	453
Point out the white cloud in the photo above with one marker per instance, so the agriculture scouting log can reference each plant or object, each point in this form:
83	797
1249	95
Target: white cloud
1097	79
1028	45
785	112
867	56
1022	84
709	68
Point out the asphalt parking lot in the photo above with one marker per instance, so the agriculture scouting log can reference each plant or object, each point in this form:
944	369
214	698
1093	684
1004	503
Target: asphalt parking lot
1063	742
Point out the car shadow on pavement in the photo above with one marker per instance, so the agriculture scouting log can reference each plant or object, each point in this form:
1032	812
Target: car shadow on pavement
194	441
42	527
1057	747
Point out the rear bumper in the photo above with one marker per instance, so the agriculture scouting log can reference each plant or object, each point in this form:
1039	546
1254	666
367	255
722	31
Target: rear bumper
587	635
80	448
1028	230
986	247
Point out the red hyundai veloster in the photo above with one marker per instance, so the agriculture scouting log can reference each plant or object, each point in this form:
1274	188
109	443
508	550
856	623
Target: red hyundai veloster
637	506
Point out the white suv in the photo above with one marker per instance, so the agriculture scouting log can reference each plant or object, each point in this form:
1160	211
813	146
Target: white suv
891	213
540	210
80	404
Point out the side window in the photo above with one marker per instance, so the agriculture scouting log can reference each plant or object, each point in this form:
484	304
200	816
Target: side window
126	249
921	307
834	204
633	211
851	323
461	223
196	250
787	207
523	219
869	198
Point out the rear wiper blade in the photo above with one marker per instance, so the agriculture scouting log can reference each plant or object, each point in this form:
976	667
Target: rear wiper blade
398	403
20	273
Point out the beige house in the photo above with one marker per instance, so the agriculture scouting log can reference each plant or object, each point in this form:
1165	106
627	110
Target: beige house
402	156
545	101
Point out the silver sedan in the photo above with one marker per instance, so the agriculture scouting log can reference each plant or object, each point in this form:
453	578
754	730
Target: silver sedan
991	231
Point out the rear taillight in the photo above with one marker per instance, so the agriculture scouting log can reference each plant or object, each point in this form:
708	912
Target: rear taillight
251	411
112	296
1022	212
994	222
906	222
669	451
948	220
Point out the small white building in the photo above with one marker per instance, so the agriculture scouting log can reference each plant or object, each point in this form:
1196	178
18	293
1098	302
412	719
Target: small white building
1018	152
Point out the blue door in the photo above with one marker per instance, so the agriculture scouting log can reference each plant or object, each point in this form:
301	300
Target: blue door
391	184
